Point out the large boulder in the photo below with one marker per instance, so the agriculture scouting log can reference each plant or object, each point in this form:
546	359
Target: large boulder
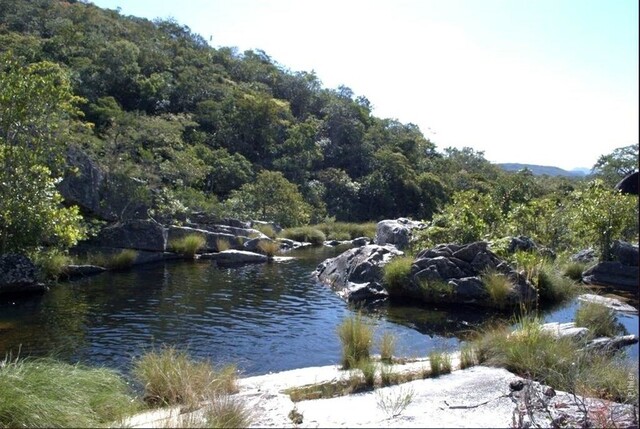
629	184
18	275
621	273
356	274
134	234
397	232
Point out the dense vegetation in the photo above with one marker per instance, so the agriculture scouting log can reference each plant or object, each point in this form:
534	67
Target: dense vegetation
179	126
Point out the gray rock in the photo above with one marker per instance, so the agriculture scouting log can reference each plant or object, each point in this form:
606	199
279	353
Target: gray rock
626	253
397	232
235	257
469	252
609	345
614	274
584	256
614	304
74	271
360	241
356	274
18	275
562	330
134	234
178	232
521	243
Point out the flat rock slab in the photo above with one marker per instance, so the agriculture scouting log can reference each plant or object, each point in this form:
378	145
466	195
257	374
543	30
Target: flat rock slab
612	303
231	257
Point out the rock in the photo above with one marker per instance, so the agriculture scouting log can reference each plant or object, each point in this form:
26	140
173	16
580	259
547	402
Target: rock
360	241
133	234
18	275
584	256
609	345
276	228
178	232
356	274
396	232
614	274
614	304
521	243
625	253
562	330
235	257
629	185
75	271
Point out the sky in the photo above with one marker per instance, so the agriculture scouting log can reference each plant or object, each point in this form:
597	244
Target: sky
548	82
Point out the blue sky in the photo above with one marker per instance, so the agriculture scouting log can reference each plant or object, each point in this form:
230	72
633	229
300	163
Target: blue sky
551	82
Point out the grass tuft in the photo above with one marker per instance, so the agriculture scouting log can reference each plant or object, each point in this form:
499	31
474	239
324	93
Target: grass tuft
267	230
574	270
599	319
51	263
397	274
467	356
356	337
268	247
171	377
222	244
440	363
387	347
122	260
552	286
188	245
498	287
225	411
305	234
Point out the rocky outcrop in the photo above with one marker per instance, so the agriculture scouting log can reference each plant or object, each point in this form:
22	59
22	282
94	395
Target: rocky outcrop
612	303
621	273
629	185
213	239
397	232
356	274
453	274
235	257
18	275
584	256
134	234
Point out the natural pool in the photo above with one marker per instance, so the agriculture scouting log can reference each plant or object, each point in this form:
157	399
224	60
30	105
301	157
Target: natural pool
265	317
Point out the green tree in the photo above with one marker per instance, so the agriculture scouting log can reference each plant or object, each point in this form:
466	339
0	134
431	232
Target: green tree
273	198
613	167
36	105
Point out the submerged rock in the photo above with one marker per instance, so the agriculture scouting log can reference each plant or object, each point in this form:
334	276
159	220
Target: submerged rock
233	257
18	275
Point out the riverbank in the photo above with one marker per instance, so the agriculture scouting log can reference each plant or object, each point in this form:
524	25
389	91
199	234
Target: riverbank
479	396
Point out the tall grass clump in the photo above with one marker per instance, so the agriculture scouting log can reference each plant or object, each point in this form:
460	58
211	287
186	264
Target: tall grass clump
356	337
268	247
552	286
574	270
222	244
267	230
188	245
435	289
51	263
305	234
387	347
122	260
599	319
171	377
467	356
440	363
396	274
498	286
347	230
226	411
43	392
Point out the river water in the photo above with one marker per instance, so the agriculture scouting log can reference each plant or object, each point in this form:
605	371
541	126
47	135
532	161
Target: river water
263	317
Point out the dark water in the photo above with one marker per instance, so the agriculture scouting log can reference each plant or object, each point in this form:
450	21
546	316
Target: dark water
264	317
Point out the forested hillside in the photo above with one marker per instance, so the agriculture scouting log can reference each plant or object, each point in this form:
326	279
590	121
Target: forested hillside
178	126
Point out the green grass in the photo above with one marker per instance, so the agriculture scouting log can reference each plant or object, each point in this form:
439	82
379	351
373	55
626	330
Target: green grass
269	248
122	260
188	245
387	347
42	392
305	234
347	230
368	368
560	363
498	287
440	363
171	377
599	319
435	289
552	285
267	230
574	270
467	356
222	244
396	274
356	338
227	411
51	263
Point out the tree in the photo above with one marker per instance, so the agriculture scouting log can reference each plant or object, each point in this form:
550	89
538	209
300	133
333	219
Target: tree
273	198
36	107
613	167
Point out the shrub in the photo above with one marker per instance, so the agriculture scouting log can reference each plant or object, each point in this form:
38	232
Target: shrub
122	260
222	244
599	319
51	263
42	392
498	286
356	337
171	377
440	363
552	285
397	274
268	247
387	347
188	245
305	234
394	404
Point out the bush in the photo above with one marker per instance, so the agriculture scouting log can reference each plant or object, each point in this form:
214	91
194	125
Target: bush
188	245
396	274
356	337
498	286
42	392
51	263
122	260
305	234
171	377
599	319
268	247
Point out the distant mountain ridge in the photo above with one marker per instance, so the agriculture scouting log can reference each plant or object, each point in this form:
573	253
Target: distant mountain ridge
539	170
